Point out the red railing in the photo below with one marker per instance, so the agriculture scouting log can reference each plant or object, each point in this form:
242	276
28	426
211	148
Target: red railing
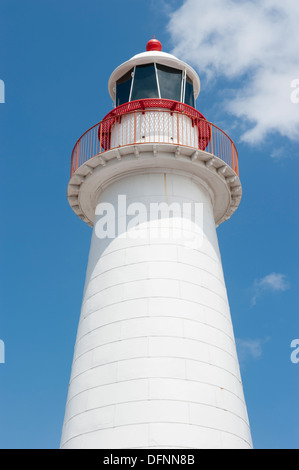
142	124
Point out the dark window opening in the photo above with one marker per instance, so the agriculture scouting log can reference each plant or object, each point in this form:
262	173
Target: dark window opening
189	93
145	82
170	82
123	87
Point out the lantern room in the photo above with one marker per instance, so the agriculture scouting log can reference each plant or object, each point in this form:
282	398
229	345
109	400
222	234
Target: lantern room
154	74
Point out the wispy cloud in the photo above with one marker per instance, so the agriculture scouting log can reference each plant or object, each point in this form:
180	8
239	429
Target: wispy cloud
278	153
253	41
250	348
271	282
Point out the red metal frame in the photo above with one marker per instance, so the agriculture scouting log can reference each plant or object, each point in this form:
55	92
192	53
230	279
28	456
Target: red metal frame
198	119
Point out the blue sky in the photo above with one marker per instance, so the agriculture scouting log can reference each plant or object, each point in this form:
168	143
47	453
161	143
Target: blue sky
56	58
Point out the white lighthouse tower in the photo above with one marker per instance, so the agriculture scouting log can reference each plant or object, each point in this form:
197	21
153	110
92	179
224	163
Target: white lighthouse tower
155	363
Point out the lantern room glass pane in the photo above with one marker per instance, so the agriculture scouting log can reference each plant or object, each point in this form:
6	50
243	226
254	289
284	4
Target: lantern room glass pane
189	92
170	82
123	87
145	83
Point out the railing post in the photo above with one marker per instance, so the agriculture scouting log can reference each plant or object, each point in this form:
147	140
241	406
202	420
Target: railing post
233	158
135	125
212	145
237	163
77	161
178	128
72	163
101	127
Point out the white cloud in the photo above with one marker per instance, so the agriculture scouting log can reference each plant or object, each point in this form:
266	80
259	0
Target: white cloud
278	153
250	348
271	282
253	41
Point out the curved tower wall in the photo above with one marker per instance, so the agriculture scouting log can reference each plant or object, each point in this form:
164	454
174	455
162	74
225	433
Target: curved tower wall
155	363
154	126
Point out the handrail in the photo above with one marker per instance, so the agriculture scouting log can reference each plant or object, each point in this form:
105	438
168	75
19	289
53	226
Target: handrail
154	125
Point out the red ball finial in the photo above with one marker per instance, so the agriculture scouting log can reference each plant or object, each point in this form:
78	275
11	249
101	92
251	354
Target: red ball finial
153	45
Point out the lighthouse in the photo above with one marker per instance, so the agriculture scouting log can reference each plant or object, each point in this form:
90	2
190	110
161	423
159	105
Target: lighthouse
155	363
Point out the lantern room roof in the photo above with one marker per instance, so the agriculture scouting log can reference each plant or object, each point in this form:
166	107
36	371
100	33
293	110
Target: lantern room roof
148	57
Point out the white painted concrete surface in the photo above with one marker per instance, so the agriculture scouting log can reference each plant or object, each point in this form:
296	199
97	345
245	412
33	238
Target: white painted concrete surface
154	126
95	175
155	363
